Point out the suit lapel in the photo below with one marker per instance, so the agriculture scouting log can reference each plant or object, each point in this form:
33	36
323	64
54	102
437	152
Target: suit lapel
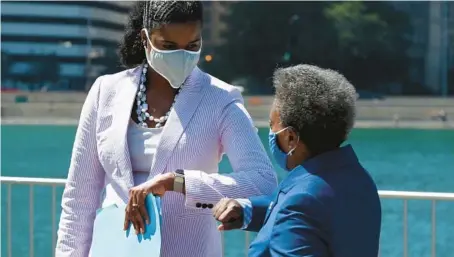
185	106
121	116
285	186
271	206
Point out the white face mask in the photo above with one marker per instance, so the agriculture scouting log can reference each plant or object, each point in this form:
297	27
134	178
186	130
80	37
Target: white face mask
173	65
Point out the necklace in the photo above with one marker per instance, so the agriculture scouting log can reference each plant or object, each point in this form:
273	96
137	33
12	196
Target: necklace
142	107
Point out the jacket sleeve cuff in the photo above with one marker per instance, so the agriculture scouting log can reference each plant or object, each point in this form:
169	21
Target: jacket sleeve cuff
247	211
199	189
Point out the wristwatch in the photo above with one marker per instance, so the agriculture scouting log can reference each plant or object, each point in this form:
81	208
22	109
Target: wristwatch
178	183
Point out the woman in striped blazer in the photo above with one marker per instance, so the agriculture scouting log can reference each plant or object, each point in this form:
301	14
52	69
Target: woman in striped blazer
161	127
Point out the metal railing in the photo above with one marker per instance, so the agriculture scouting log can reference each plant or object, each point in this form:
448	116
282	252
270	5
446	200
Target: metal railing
54	183
31	182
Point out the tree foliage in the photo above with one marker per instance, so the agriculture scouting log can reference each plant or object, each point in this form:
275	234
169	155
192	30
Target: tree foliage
358	32
372	40
365	40
260	33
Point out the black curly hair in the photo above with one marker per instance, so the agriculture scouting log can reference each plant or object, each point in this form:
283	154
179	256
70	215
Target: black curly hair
153	14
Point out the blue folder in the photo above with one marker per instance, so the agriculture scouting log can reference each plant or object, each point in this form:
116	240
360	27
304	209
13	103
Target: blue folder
110	240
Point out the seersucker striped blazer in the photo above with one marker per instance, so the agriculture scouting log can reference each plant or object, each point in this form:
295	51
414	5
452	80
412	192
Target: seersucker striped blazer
208	119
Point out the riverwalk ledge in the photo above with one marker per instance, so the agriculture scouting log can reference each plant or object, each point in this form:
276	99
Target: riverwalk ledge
52	108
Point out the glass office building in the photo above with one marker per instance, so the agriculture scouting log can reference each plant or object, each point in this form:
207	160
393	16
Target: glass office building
59	45
432	43
65	45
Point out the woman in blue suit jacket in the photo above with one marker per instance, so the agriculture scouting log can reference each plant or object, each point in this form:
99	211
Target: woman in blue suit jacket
328	205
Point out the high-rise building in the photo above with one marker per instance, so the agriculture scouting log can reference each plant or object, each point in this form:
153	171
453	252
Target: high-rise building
213	27
432	43
214	11
74	42
70	41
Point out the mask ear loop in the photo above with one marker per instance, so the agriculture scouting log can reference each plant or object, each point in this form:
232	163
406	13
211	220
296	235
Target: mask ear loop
144	42
290	153
277	133
148	37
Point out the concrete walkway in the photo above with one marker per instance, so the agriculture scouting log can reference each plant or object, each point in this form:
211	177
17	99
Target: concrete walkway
259	123
404	112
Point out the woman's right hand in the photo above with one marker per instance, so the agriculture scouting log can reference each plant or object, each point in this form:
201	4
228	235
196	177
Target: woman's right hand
136	211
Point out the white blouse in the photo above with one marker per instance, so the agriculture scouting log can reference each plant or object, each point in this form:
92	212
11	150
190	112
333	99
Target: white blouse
142	144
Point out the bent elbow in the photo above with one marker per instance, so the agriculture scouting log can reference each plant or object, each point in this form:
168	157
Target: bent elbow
268	182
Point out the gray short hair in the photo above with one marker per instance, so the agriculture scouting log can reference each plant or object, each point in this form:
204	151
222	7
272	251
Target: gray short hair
318	103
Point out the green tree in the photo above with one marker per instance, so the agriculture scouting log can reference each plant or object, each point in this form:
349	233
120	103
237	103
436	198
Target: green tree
372	42
367	41
264	35
359	33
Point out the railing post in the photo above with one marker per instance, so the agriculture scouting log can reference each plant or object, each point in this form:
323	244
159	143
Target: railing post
405	227
434	228
222	243
31	220
246	249
54	229
31	182
8	218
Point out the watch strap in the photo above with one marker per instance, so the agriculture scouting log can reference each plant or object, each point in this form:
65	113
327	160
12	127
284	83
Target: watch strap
178	183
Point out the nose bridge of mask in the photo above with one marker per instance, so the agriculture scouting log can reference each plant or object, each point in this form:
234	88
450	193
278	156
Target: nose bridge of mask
180	57
173	65
183	51
166	64
153	47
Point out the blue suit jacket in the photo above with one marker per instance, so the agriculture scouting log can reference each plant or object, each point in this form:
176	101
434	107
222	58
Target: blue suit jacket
329	206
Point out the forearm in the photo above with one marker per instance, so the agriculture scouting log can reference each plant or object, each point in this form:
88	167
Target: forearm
210	188
259	206
253	172
247	212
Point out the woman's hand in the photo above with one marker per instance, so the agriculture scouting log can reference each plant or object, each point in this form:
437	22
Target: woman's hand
136	211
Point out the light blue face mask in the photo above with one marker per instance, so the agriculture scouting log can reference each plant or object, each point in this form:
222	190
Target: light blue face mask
173	65
279	156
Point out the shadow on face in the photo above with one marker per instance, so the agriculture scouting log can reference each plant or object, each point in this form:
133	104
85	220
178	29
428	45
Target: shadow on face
277	127
275	120
287	138
176	36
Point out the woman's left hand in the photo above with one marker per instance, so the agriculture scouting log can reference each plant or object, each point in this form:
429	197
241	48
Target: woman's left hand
136	211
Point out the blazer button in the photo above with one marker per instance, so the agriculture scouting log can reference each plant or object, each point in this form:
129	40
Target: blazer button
198	205
210	206
204	206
